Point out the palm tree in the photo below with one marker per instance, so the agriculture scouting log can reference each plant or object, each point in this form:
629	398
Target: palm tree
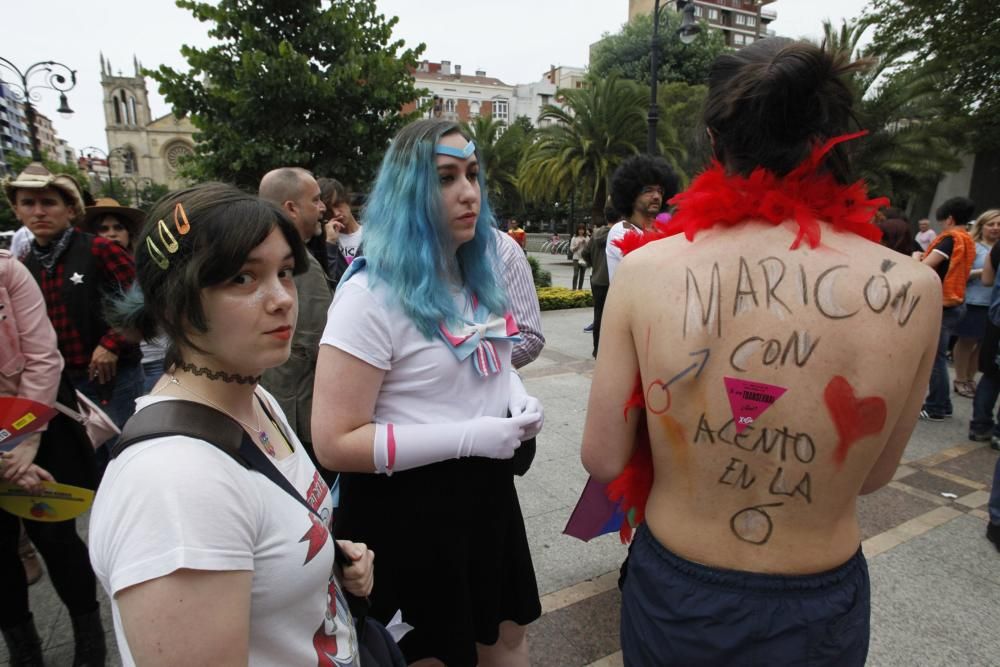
501	148
914	136
598	127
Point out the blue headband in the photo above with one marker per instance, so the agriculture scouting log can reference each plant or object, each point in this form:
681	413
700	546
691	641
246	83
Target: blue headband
461	154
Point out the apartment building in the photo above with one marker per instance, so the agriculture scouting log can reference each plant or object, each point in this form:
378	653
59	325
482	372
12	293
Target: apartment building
741	22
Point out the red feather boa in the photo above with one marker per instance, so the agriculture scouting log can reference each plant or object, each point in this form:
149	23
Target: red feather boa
805	196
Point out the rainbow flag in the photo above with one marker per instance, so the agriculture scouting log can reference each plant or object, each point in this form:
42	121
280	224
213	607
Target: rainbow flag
594	514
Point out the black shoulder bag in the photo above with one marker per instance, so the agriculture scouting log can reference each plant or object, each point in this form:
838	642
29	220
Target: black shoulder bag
196	420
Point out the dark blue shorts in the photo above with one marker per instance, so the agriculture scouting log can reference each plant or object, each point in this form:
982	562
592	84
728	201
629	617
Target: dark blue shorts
676	612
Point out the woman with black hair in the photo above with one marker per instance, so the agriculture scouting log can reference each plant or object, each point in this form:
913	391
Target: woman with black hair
754	413
208	562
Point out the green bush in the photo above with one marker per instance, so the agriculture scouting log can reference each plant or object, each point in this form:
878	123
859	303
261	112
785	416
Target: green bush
538	275
559	298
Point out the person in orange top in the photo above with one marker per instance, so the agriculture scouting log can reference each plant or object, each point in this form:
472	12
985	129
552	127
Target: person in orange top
951	254
516	233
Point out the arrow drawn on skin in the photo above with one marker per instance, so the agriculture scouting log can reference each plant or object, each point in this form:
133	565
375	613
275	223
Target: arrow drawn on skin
699	365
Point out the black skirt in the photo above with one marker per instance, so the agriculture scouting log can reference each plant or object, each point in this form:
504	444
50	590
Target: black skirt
451	552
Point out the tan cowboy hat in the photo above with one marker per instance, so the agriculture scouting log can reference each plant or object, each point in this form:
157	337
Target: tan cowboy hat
36	177
131	217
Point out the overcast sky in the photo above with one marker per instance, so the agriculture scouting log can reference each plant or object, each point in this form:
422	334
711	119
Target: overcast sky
513	40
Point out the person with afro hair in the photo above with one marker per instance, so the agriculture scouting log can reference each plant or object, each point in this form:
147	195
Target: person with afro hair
639	189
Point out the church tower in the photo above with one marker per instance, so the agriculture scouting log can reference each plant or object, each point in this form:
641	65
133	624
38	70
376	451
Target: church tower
146	149
126	116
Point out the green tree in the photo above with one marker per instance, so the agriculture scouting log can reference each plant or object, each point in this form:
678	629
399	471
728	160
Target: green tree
596	129
682	128
915	132
955	36
627	53
291	82
502	149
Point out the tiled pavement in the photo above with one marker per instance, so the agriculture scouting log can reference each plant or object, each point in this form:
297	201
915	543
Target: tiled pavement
935	579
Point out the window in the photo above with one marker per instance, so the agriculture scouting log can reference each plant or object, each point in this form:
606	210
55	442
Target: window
698	10
131	111
175	152
500	110
118	103
713	14
751	20
474	108
449	105
741	19
128	157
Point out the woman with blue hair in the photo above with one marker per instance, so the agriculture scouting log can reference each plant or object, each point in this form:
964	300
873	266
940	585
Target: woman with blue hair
414	386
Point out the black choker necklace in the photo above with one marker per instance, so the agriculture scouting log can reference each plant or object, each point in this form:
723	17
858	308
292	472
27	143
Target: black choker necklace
220	375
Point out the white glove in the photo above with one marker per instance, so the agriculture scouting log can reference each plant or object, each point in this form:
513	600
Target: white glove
521	403
414	445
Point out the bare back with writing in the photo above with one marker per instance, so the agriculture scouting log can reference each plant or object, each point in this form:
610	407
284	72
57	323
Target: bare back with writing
779	384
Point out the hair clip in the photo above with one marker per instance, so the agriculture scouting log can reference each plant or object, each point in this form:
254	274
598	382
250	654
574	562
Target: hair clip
169	241
460	153
157	254
186	227
172	245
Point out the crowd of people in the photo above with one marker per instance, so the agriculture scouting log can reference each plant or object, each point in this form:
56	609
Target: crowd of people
305	381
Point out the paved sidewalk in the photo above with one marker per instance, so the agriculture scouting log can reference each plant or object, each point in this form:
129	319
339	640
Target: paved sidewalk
935	578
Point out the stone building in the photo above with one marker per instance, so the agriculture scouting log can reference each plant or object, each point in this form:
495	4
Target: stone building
150	147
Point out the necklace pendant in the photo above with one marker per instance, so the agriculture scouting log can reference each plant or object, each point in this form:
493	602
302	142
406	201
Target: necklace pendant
266	442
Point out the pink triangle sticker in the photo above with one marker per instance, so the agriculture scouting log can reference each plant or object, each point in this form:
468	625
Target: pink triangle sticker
749	400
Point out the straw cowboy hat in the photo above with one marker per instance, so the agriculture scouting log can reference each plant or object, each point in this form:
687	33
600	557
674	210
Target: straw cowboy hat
132	218
36	177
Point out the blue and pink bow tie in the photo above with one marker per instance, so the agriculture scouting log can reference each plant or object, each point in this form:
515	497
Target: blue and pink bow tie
475	338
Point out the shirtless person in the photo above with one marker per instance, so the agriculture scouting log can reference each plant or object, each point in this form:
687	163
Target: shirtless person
767	412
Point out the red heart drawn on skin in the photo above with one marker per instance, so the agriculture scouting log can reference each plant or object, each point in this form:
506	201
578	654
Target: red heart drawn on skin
854	418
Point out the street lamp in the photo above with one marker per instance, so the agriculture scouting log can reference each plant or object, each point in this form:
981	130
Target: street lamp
136	181
115	152
56	77
688	32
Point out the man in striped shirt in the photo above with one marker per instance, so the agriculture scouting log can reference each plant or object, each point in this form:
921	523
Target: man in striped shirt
523	300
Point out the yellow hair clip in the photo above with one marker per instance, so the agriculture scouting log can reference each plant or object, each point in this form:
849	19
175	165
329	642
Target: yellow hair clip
157	254
172	245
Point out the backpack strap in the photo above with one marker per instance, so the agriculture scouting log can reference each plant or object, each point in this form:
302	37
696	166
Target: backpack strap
179	417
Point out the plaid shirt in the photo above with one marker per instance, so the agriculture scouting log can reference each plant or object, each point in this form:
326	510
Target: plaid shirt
117	271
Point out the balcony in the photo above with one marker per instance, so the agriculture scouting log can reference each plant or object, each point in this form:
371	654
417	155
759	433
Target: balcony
767	14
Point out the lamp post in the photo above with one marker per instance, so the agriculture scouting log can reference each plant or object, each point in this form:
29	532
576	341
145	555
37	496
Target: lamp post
56	77
114	152
136	181
687	33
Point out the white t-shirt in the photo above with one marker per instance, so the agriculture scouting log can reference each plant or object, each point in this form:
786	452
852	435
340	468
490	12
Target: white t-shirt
178	502
613	252
424	383
349	243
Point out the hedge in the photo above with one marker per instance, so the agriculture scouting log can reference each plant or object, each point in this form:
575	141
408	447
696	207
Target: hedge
559	298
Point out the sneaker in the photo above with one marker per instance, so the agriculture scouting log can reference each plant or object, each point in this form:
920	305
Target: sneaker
995	442
980	437
993	534
589	328
932	417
